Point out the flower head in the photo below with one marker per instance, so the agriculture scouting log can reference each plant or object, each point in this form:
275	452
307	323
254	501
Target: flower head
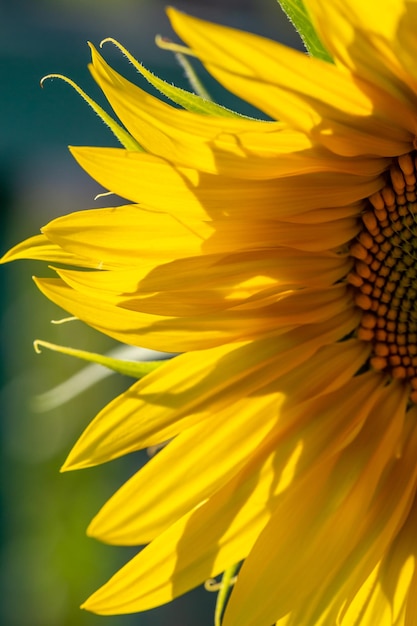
279	259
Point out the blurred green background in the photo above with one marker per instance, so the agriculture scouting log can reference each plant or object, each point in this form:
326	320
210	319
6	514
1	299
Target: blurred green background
47	564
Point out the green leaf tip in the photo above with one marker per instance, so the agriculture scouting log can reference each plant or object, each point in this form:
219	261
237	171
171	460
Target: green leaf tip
134	369
120	133
298	15
187	100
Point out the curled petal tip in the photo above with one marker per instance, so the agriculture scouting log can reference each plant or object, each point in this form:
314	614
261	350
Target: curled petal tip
36	345
50	76
107	40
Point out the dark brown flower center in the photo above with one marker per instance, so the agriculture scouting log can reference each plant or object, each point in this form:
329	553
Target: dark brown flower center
385	273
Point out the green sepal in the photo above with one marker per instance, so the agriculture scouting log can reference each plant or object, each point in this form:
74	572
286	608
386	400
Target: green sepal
228	580
120	133
189	101
134	369
195	82
298	15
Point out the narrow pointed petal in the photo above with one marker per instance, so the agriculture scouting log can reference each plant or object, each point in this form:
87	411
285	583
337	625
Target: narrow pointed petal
39	248
114	236
336	519
175	397
373	53
232	147
190	195
309	94
387	596
162	492
169	489
228	281
179	334
176	561
276	260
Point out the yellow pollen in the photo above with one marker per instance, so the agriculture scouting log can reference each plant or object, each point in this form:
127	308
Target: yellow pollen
384	278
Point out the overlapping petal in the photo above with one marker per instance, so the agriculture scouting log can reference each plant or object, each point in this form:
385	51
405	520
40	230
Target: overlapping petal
177	289
118	236
179	334
189	194
350	116
161	405
209	546
232	147
347	516
128	518
41	249
285	448
387	596
371	48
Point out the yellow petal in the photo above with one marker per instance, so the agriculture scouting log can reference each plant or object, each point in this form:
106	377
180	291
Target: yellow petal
119	288
337	524
222	530
164	490
330	368
404	49
176	288
307	93
186	390
369	47
190	195
215	538
387	596
208	143
130	236
284	265
179	334
119	236
227	146
39	248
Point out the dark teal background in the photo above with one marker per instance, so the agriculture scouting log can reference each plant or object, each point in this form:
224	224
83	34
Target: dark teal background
47	564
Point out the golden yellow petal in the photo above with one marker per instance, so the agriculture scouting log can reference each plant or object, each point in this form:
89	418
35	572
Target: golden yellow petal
39	248
342	516
269	313
404	48
176	288
186	302
189	388
191	195
232	234
350	116
207	540
169	334
164	490
280	265
216	537
380	462
331	367
127	235
387	596
227	146
284	265
234	147
372	47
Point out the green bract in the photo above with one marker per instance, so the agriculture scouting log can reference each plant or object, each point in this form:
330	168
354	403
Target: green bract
135	369
297	13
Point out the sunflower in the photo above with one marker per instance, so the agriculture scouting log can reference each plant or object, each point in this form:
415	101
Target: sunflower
279	259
